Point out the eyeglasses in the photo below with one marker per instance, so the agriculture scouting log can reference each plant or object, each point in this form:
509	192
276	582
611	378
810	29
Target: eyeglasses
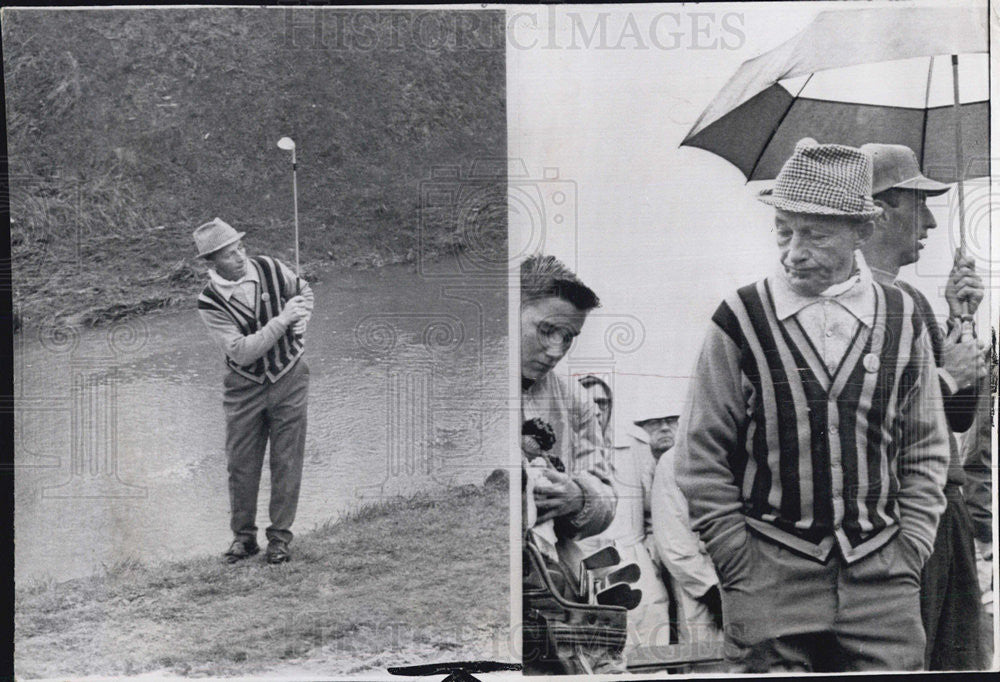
555	337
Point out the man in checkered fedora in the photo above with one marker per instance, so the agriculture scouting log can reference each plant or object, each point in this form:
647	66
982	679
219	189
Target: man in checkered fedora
256	310
814	448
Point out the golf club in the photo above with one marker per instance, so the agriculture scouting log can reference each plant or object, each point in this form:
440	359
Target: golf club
602	558
620	595
288	144
626	574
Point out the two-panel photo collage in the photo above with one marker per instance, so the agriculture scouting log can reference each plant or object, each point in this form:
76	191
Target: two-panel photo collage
481	342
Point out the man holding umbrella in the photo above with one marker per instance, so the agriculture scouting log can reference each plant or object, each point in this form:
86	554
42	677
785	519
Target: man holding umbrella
950	600
256	310
814	449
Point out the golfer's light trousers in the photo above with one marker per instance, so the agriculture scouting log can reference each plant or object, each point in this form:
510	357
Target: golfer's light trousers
255	414
788	613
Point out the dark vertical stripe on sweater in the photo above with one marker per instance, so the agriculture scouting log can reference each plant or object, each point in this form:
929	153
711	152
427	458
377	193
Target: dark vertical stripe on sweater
863	406
787	427
730	326
759	450
816	397
268	310
848	406
276	282
927	316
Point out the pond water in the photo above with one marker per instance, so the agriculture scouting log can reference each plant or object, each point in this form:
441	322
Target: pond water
119	432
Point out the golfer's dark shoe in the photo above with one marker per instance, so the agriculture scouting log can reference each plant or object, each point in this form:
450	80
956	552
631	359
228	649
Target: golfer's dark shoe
277	552
241	549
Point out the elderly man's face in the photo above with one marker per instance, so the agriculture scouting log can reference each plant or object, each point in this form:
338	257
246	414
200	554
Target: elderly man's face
905	224
602	401
817	251
230	262
662	433
548	327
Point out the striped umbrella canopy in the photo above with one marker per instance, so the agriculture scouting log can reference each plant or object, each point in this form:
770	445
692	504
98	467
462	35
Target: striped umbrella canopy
912	76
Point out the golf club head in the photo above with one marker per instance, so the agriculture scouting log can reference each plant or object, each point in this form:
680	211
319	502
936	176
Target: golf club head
286	143
619	594
602	558
626	574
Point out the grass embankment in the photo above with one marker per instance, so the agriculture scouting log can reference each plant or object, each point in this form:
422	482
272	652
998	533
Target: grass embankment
127	129
412	580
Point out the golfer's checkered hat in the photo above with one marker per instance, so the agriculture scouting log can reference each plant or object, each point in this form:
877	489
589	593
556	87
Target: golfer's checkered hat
824	179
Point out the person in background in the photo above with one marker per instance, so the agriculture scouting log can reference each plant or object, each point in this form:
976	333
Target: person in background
978	490
694	584
630	533
950	599
554	307
599	393
567	493
256	310
814	450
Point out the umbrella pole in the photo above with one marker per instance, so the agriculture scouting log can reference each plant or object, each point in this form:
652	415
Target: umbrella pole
295	207
967	322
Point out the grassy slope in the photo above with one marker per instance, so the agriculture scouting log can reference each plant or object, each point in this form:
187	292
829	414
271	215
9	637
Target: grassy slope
406	581
132	127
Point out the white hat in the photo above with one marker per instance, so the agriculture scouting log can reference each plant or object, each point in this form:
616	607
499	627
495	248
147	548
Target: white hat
658	409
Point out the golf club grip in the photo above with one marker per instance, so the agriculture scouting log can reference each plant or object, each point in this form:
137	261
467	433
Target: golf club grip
297	292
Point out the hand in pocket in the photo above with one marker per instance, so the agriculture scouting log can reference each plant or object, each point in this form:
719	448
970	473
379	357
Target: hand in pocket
910	553
736	565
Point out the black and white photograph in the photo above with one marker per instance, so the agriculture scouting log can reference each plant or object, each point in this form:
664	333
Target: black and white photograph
757	343
466	343
261	364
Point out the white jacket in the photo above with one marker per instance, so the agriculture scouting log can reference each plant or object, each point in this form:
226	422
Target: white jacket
678	547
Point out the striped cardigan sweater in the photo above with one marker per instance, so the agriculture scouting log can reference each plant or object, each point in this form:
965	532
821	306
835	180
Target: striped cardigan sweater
285	348
772	440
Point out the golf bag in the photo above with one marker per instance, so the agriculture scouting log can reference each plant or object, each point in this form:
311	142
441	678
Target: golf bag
560	635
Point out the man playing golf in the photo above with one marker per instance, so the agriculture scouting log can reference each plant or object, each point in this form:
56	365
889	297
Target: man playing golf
257	310
813	448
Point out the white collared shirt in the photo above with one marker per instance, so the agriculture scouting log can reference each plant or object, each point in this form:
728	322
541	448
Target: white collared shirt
831	319
245	288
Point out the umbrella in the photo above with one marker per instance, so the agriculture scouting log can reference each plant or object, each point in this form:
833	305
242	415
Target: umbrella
889	75
857	76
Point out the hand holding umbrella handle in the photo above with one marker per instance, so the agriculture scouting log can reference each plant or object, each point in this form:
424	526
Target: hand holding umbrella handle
967	320
968	324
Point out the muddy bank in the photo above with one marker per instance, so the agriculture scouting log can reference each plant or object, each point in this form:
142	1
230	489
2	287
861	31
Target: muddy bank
406	581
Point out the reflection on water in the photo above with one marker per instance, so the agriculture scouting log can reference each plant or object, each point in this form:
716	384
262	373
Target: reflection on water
119	434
